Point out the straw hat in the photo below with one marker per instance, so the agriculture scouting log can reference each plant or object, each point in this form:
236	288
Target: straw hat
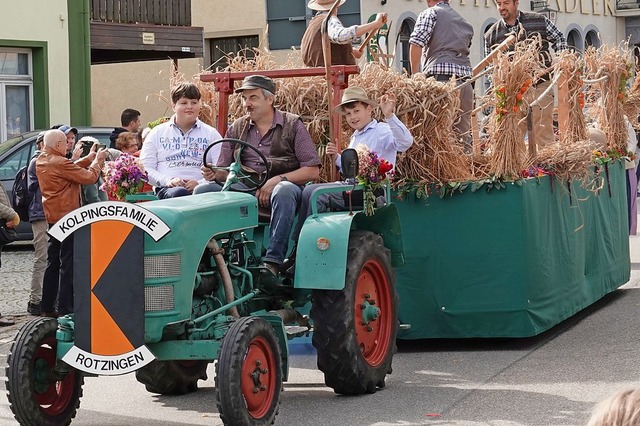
354	94
323	4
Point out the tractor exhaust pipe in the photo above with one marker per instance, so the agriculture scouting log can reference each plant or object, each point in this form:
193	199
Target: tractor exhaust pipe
224	274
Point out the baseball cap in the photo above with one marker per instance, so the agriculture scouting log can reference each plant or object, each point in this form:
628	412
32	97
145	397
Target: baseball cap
66	129
40	137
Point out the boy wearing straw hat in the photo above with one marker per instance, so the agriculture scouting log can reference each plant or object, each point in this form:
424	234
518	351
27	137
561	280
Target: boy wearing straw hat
384	138
341	38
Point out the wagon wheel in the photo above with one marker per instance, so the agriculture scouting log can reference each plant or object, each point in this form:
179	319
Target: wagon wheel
39	395
236	171
355	348
249	373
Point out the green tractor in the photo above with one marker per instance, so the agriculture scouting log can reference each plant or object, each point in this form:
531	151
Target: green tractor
164	288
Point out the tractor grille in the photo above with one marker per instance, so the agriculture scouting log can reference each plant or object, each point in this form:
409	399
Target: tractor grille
162	266
158	298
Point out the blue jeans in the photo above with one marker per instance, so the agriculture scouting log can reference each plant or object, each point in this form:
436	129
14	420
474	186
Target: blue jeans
285	199
167	192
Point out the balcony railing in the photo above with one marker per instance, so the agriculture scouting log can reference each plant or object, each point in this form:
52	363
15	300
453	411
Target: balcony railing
158	12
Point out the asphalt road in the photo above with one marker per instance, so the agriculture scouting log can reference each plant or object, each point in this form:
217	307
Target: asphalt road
551	379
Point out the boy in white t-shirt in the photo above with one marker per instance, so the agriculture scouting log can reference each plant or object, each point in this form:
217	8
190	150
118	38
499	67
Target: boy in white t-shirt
172	152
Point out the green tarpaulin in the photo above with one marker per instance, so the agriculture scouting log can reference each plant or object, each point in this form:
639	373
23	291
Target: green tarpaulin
512	262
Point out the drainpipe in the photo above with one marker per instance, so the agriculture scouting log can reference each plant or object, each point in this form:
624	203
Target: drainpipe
79	62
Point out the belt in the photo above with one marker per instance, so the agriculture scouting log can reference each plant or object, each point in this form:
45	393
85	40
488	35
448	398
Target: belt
447	77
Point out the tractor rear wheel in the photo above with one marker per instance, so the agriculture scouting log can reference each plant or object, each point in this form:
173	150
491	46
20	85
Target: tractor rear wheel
172	377
38	395
249	374
355	328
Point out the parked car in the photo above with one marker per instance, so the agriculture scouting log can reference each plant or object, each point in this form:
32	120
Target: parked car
16	152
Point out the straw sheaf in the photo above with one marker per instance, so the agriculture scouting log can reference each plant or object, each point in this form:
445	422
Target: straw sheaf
512	70
613	64
573	66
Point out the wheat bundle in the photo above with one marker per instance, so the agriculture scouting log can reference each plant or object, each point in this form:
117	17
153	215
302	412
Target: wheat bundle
610	66
631	106
513	74
428	108
569	160
572	66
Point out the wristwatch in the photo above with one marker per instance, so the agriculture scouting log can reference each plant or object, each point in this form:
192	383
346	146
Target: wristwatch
284	178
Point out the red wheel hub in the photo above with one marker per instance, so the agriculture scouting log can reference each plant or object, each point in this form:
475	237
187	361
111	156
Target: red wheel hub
52	396
373	312
259	377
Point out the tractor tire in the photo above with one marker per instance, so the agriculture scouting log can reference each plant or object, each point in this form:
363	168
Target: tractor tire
172	377
249	374
36	399
354	329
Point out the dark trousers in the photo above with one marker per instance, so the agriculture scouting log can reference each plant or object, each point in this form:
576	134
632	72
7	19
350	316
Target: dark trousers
58	277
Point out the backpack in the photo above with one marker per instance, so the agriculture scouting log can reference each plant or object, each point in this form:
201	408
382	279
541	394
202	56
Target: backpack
21	197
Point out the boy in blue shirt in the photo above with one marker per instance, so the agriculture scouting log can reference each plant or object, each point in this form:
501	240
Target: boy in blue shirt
384	138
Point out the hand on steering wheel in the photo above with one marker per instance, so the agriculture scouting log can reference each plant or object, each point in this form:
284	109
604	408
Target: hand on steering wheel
235	169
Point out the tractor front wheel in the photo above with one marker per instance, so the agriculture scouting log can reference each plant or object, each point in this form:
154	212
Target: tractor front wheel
172	377
355	328
38	394
249	374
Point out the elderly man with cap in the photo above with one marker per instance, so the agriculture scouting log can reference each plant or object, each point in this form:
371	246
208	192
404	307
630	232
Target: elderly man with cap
342	53
384	138
60	180
286	143
39	228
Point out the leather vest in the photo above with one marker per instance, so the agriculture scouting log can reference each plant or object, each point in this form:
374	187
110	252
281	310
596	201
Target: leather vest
282	156
311	47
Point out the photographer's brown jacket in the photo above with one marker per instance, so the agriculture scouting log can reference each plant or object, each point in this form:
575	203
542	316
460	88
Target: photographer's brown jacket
60	180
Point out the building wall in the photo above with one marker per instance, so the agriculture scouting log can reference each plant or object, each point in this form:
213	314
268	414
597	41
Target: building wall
48	26
137	85
145	86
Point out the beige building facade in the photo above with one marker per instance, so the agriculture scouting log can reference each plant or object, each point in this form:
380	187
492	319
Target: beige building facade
277	25
34	66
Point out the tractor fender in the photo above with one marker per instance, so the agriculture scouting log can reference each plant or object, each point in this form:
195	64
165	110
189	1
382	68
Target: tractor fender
321	258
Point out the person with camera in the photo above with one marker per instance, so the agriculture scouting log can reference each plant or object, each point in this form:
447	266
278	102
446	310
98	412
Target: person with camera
60	180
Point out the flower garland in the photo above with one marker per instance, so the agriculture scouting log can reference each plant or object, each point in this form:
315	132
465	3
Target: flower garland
374	173
124	176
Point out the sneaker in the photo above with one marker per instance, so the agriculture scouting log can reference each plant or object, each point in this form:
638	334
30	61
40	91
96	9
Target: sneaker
33	308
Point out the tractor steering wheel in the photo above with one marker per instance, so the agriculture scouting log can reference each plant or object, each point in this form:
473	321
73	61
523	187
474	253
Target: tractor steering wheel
235	169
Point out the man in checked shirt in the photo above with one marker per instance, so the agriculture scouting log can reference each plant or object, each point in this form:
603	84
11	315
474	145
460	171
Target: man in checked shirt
440	44
525	25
